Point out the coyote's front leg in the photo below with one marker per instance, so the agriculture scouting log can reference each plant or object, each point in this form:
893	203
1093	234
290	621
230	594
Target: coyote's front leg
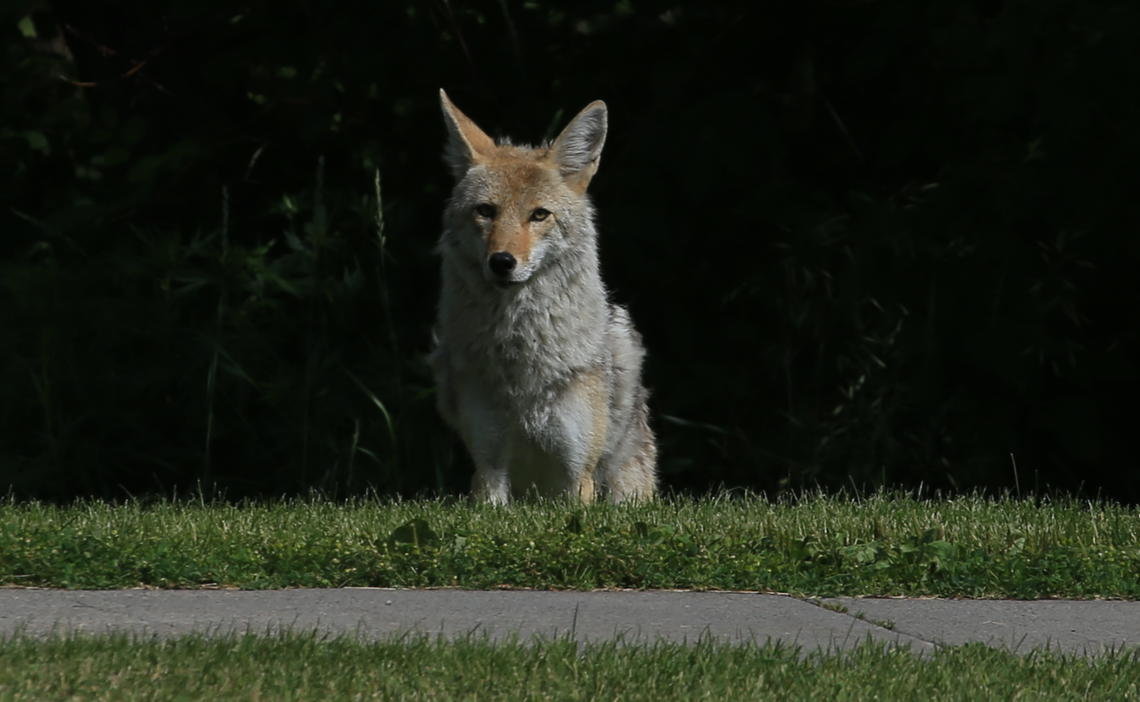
482	426
491	484
492	455
582	416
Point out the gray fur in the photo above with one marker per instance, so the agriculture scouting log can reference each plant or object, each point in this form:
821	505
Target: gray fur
579	147
541	379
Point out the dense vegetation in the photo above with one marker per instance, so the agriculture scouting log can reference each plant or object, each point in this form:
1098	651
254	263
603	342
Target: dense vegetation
877	242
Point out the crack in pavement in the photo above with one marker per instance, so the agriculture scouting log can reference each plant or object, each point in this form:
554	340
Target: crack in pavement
883	625
1071	626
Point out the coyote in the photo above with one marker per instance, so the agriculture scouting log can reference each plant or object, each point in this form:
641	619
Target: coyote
536	370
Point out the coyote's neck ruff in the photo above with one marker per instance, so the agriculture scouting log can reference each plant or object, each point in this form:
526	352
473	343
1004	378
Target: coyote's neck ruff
531	339
536	370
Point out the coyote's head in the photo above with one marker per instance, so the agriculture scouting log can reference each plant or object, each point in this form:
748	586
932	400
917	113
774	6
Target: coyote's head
514	206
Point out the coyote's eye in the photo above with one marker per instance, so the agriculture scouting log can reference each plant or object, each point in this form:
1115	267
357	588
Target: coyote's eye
539	215
486	210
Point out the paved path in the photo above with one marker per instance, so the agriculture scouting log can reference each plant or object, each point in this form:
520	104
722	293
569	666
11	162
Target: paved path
1072	626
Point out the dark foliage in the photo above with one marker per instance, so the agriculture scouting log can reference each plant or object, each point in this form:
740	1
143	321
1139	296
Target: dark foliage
867	241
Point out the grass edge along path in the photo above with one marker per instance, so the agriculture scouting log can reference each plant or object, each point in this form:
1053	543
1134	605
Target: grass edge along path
299	666
813	545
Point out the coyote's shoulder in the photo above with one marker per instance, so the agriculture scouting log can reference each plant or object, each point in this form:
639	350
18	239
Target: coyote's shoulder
538	372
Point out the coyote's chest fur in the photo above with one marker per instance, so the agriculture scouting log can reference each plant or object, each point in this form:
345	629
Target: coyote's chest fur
536	370
521	349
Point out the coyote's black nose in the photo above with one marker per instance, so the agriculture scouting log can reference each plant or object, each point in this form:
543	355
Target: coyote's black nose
501	263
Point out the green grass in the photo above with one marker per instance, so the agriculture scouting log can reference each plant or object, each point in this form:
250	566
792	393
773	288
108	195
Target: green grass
298	667
816	545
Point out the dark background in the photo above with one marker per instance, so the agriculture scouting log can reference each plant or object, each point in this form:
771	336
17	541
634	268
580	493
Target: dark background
867	242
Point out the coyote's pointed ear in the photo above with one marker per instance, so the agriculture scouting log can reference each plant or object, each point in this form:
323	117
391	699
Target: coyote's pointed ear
467	144
578	149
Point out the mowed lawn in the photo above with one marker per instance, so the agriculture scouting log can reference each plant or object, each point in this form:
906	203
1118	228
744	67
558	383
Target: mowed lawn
306	667
815	545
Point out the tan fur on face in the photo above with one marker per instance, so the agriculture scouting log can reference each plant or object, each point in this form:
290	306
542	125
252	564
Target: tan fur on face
515	240
527	179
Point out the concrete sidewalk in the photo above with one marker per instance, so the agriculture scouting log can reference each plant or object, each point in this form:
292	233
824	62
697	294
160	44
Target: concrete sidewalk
1083	627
